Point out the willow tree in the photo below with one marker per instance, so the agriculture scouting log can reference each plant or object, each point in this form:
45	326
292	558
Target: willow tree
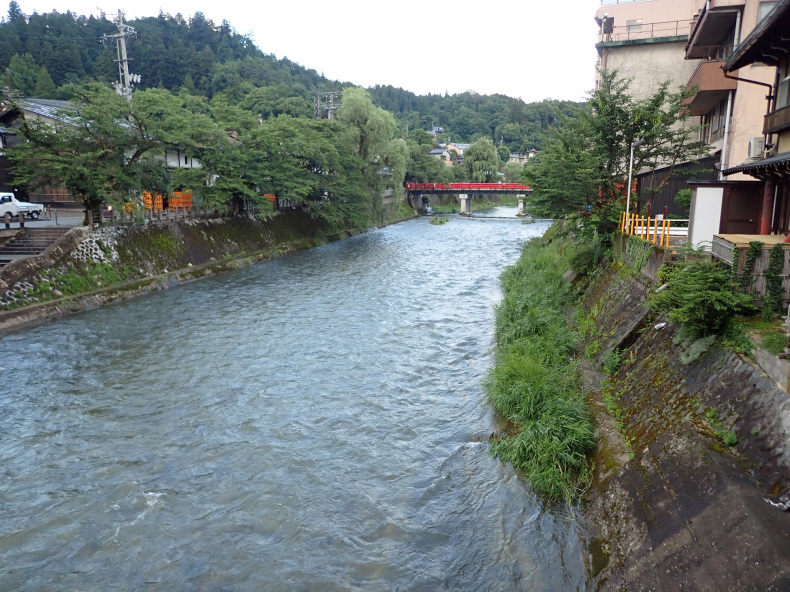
371	130
482	160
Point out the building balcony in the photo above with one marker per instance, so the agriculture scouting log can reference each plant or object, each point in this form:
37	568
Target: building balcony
643	33
777	121
712	30
711	87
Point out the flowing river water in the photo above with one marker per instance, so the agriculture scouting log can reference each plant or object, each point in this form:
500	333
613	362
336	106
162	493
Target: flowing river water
316	422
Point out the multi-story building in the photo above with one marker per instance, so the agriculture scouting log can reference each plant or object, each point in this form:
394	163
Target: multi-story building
730	110
769	46
645	41
730	106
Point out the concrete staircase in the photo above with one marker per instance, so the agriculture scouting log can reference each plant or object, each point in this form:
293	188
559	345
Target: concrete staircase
30	242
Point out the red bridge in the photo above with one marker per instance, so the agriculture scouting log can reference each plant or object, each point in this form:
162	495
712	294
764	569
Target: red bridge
467	188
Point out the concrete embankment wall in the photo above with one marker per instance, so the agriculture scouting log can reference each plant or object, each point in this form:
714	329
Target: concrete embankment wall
681	510
90	269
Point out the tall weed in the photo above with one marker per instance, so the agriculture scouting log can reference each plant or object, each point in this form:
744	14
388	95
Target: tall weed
534	383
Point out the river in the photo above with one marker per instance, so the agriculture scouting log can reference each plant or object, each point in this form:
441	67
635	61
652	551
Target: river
315	422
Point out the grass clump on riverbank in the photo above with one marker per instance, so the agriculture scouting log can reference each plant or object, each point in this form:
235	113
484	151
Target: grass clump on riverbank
534	383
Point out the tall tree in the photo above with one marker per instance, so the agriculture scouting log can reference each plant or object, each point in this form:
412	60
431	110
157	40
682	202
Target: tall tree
585	162
371	131
23	74
105	148
482	161
45	88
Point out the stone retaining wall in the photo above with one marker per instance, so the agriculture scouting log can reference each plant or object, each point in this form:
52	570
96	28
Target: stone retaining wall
686	512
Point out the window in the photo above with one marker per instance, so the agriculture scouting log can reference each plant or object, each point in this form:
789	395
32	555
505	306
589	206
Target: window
714	122
633	26
763	9
783	87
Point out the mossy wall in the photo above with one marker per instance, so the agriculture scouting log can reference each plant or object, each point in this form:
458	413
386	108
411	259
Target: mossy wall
687	511
137	255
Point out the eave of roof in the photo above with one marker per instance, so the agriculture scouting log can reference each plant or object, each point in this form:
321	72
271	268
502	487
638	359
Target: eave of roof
751	49
777	165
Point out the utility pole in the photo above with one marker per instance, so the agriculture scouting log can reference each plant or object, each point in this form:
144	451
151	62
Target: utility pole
125	80
325	104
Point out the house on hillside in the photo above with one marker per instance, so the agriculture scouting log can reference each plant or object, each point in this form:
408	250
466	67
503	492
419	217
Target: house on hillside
442	154
458	147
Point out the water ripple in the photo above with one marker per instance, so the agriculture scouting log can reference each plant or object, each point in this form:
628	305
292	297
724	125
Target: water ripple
310	423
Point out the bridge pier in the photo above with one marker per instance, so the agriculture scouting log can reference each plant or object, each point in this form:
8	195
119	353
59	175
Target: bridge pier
466	204
521	212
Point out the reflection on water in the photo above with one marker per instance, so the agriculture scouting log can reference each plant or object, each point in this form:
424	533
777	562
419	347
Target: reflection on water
311	423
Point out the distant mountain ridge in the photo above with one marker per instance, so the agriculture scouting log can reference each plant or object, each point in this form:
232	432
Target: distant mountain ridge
41	53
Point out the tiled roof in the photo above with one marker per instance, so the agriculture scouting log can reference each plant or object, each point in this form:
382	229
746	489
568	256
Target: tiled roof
778	164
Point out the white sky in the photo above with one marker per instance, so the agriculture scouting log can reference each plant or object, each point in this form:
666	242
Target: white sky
522	48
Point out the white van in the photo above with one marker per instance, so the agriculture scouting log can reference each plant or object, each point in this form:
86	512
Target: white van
8	204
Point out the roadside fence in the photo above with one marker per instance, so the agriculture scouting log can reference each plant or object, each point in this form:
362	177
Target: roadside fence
659	231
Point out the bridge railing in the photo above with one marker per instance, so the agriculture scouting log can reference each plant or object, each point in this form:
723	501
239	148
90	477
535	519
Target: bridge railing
467	187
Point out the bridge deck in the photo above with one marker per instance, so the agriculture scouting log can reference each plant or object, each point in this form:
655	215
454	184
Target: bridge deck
461	188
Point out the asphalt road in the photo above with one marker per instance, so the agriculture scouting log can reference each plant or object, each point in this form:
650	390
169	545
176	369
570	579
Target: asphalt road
59	217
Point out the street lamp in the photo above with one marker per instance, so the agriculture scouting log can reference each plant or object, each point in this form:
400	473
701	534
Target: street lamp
634	144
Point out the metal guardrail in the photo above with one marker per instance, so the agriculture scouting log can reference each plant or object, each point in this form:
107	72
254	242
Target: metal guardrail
643	31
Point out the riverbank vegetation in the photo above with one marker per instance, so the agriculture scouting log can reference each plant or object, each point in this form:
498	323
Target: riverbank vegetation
534	383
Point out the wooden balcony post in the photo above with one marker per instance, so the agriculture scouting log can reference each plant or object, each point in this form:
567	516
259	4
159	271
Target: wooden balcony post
765	211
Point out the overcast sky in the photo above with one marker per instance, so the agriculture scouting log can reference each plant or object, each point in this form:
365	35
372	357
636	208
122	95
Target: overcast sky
522	48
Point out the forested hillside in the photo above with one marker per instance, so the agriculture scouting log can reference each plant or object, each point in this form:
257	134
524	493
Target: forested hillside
41	54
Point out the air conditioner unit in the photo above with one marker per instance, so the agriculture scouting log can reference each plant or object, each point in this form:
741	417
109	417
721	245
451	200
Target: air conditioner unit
756	147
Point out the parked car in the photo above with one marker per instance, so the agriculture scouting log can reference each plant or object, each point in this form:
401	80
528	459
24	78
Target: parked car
8	205
32	210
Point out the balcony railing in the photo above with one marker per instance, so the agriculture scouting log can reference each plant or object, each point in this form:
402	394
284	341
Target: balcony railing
777	121
645	31
714	52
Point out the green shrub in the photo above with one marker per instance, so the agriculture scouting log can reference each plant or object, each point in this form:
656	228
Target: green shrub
772	300
699	295
683	199
611	362
586	257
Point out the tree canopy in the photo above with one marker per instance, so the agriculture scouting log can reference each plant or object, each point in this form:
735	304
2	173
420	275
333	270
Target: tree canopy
481	160
585	162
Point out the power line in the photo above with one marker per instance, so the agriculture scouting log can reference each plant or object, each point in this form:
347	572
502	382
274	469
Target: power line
326	103
124	85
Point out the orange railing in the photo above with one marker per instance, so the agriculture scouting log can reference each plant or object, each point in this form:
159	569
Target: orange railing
177	199
653	230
